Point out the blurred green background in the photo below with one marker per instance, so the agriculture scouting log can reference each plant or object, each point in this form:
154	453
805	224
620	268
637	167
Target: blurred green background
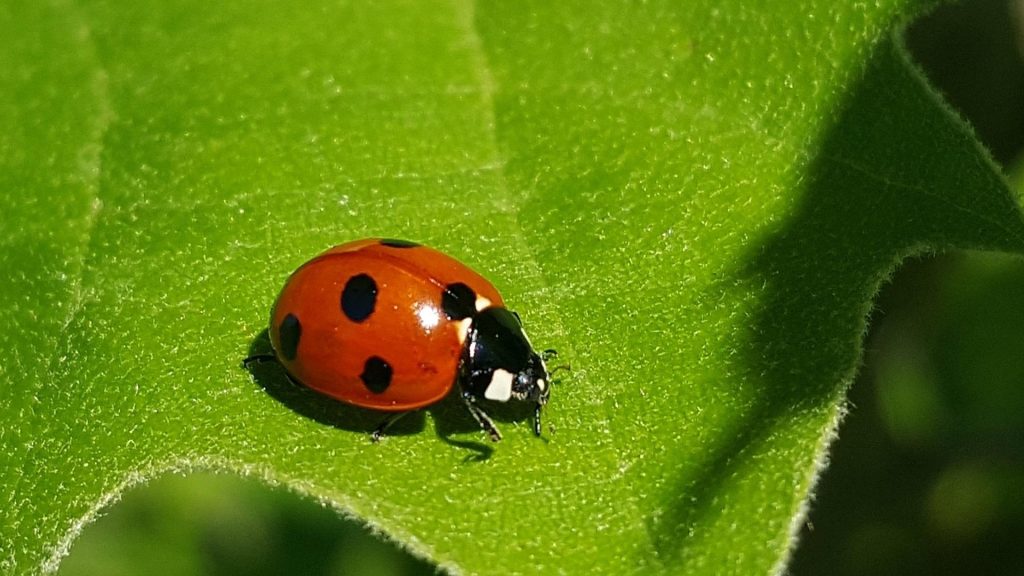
926	478
928	474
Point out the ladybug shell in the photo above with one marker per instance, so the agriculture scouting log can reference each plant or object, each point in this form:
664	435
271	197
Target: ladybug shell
364	323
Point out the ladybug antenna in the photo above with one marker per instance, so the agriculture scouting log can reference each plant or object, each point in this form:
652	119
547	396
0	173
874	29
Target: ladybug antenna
559	367
551	354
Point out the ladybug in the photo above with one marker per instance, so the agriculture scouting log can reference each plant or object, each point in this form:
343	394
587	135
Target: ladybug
392	325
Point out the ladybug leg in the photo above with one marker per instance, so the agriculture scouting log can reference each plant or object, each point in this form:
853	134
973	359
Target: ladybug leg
379	431
481	417
261	358
536	420
258	359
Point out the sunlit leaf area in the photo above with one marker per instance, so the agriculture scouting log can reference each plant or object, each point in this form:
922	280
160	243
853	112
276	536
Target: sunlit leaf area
778	249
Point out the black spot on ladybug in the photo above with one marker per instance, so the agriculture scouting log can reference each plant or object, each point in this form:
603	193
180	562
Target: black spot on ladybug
458	301
288	334
395	243
376	374
359	297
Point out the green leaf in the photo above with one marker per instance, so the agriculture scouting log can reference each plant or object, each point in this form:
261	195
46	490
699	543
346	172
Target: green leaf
693	203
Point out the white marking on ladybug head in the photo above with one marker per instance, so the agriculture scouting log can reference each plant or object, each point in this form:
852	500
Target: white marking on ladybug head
500	387
482	303
541	384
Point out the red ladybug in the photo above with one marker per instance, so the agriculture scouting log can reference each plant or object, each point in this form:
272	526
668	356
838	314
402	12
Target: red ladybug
392	325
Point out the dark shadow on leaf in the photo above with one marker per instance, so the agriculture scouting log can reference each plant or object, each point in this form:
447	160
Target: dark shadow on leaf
450	415
476	451
859	213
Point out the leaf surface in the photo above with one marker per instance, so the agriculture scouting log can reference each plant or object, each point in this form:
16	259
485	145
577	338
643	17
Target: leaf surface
693	203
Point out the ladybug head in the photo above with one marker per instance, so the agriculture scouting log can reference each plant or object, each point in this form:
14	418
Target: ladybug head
500	364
